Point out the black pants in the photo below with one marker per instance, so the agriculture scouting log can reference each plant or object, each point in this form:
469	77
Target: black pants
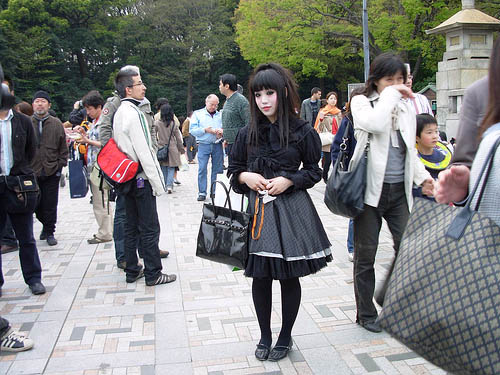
142	221
393	207
46	211
7	237
327	161
4	326
28	253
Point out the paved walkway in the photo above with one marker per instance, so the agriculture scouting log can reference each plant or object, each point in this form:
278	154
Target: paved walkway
91	322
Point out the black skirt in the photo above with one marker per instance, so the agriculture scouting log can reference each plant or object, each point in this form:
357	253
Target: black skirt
292	243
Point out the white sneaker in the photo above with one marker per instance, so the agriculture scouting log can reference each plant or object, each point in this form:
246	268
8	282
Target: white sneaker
13	341
350	256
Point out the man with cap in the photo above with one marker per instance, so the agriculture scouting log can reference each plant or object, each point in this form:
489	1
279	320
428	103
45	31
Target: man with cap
51	157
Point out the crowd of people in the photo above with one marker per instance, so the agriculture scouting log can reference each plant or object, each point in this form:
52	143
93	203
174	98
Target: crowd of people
277	148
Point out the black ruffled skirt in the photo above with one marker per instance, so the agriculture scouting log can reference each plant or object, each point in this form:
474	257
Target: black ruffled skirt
292	243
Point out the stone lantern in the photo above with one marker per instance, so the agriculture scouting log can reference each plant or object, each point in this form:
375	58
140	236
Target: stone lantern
469	40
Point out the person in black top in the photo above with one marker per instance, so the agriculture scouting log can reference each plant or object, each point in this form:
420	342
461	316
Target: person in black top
288	240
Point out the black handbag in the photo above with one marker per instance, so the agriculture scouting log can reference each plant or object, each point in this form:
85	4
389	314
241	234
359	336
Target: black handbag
345	190
21	193
443	299
162	153
223	235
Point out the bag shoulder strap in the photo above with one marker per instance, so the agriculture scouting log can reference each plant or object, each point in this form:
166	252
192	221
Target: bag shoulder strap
460	222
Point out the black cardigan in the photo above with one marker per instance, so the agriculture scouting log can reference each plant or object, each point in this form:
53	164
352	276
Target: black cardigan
271	160
23	144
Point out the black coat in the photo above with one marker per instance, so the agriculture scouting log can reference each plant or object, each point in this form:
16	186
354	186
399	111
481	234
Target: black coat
23	144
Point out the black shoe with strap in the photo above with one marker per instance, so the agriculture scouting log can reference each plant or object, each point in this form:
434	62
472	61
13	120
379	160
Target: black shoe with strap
280	351
262	352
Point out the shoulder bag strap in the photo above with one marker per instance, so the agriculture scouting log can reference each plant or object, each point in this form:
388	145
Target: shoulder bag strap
460	222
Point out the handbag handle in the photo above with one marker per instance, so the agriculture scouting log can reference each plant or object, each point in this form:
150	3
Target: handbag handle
228	198
460	222
228	201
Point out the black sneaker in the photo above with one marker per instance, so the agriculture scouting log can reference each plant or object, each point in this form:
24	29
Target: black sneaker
162	279
201	198
37	288
121	265
43	236
15	342
51	240
132	279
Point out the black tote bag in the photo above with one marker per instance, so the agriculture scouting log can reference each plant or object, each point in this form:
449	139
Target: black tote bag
223	234
345	190
443	297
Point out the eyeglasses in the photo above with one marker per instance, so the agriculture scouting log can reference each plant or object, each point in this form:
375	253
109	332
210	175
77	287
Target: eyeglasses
137	84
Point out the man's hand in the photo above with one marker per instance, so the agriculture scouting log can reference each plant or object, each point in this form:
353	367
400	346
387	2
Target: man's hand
76	105
452	184
219	133
428	187
254	181
278	185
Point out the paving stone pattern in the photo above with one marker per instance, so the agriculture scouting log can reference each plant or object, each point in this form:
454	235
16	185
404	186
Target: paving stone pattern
91	322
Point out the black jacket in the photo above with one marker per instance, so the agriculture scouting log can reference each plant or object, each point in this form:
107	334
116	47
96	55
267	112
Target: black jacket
23	144
270	159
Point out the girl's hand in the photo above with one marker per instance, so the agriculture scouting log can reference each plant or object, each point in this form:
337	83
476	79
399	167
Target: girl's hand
405	91
452	184
321	115
254	181
278	185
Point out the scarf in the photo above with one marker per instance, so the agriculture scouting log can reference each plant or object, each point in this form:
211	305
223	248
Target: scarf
40	126
327	110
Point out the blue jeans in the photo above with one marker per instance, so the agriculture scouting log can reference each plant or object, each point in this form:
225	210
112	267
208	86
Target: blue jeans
205	151
119	228
168	175
350	237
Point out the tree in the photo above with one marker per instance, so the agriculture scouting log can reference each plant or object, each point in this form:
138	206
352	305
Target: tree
324	37
191	37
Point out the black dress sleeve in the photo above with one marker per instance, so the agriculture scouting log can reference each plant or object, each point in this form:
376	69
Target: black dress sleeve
238	161
309	148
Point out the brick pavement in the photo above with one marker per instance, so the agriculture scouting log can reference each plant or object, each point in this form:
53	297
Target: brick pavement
90	322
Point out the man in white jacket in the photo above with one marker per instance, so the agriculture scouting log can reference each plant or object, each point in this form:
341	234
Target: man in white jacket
133	137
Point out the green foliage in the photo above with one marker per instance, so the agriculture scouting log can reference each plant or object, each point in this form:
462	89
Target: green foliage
323	38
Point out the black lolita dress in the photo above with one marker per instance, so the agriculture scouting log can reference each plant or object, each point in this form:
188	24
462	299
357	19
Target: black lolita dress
293	242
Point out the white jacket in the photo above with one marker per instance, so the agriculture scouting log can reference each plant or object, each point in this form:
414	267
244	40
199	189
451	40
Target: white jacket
377	121
132	135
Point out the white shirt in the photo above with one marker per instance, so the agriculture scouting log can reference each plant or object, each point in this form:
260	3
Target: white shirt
6	155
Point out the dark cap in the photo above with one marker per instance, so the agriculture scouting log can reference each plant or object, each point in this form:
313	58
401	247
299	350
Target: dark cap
41	94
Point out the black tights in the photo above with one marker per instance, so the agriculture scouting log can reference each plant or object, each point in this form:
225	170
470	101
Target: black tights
290	302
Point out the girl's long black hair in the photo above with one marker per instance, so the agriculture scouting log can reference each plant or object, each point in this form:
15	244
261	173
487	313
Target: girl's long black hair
166	114
384	65
275	77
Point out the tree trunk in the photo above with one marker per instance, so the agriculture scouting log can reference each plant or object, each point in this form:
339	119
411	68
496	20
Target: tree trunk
82	64
189	99
417	66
